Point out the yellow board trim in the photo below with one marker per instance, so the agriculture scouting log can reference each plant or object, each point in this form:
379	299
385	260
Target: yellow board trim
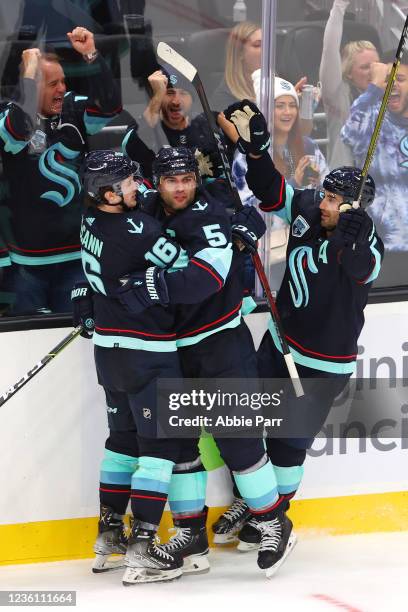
45	541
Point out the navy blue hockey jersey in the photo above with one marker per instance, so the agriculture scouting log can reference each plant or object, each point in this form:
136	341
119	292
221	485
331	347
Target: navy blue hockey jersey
41	157
325	289
203	229
116	244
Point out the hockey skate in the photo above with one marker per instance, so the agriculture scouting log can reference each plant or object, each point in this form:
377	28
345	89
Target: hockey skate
111	542
147	561
229	524
277	541
191	543
249	538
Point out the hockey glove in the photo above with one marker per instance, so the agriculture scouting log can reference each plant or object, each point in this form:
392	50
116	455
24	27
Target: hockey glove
83	311
251	126
248	226
353	227
144	289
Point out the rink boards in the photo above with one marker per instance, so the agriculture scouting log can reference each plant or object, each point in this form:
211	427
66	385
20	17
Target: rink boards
53	432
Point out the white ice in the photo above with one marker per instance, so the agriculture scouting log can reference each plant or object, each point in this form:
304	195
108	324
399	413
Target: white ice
360	573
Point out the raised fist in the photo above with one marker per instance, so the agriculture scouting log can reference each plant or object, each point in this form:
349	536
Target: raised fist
31	60
82	40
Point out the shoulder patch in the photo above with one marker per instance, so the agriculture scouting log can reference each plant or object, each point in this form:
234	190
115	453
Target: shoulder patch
299	227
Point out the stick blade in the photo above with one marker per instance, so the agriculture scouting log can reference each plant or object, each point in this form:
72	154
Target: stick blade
169	55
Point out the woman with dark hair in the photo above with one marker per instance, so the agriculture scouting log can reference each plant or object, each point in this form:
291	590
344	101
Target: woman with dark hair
297	157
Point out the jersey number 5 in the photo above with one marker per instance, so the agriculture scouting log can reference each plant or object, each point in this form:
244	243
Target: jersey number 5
215	237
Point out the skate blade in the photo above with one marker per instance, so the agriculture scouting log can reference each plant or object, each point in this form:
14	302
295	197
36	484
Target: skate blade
271	571
247	546
107	563
140	575
226	538
196	564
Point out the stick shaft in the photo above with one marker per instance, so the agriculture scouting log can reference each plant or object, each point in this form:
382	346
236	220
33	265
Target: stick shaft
40	365
168	54
377	128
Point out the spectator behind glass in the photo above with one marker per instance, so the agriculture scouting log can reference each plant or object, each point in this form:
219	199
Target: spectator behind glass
243	56
389	167
167	120
344	76
51	21
297	157
42	143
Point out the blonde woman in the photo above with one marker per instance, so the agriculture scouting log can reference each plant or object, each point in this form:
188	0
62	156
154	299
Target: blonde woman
344	76
243	56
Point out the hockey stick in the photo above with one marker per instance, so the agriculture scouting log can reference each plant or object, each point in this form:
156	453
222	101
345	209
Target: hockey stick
169	55
377	128
40	365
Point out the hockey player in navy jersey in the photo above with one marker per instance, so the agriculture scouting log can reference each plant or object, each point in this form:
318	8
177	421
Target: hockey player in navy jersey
135	344
212	338
332	259
42	140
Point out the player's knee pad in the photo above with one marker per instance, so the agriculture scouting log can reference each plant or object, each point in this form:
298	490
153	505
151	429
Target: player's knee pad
117	468
188	451
123	442
241	453
153	474
187	488
287	452
161	448
257	485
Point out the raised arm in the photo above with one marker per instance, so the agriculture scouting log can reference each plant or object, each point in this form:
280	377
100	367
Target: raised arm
104	101
330	66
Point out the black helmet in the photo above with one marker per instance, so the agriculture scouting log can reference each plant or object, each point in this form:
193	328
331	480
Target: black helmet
346	180
106	168
174	160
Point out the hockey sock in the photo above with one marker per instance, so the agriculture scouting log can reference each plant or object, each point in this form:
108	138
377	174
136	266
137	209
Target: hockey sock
115	478
258	486
150	486
289	479
187	491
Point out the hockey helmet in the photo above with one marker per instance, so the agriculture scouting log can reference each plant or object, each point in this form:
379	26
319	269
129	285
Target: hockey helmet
106	168
346	180
171	161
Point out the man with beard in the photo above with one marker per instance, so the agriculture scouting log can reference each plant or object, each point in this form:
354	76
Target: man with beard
332	258
167	120
42	142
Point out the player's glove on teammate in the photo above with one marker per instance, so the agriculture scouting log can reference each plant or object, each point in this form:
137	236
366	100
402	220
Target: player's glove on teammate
353	227
251	126
248	226
144	289
82	307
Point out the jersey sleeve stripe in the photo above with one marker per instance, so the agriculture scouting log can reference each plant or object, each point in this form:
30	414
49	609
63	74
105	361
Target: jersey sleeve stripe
10	129
217	278
270	207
